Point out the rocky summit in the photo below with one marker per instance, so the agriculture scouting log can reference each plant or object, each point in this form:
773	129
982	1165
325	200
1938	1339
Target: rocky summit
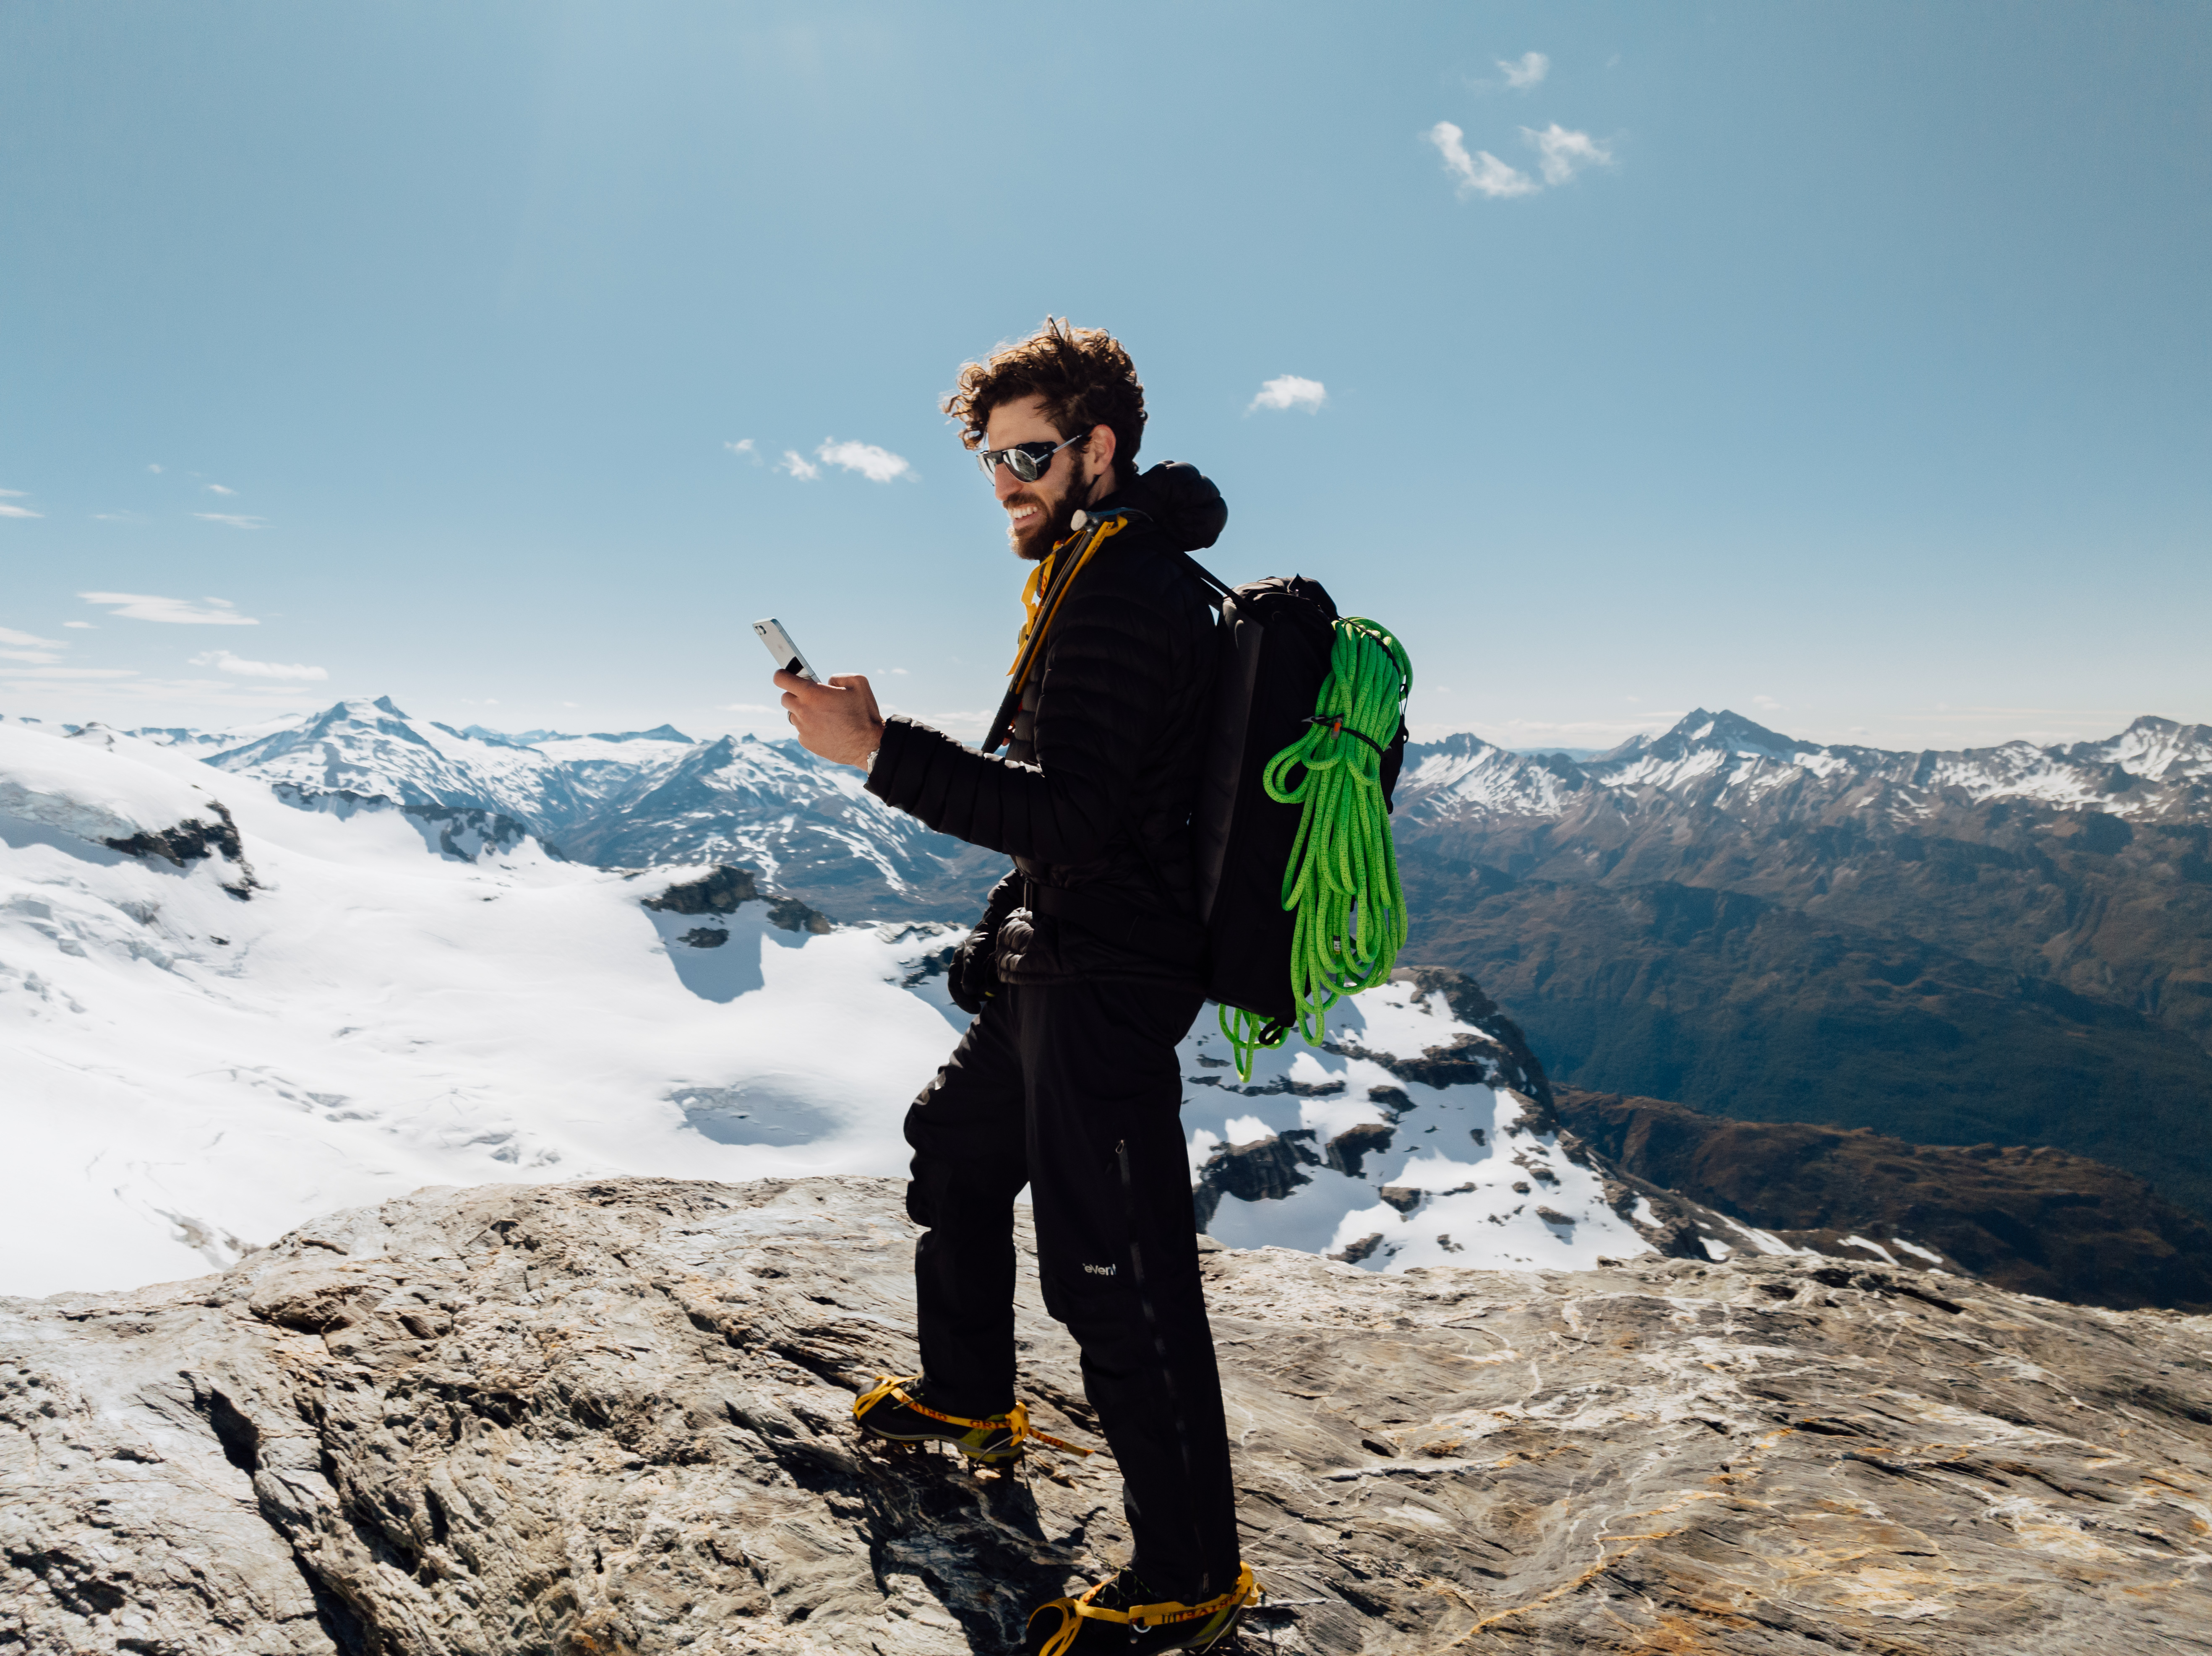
615	1415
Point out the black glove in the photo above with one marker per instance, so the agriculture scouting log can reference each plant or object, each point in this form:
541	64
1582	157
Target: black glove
972	977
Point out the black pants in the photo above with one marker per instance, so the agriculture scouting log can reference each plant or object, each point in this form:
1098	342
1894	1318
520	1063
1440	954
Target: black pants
1073	1089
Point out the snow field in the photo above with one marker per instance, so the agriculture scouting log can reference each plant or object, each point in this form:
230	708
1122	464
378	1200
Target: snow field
186	1074
1455	1156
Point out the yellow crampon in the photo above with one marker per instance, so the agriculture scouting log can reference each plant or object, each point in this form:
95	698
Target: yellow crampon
1074	1612
1017	1419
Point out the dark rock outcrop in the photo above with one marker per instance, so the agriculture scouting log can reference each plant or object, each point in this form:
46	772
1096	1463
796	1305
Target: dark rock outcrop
726	889
188	841
1264	1170
193	840
719	892
615	1415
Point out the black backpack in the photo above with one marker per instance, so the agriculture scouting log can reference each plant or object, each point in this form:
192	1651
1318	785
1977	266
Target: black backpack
1277	636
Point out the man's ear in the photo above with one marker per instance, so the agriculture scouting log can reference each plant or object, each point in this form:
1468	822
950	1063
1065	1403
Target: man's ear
1099	451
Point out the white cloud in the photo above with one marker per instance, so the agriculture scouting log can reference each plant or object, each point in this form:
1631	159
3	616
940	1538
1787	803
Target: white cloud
746	707
87	625
30	647
1564	152
225	662
1532	67
878	465
18	492
798	466
1289	392
218	488
154	469
1766	704
744	446
233	519
967	722
1481	173
7	510
142	606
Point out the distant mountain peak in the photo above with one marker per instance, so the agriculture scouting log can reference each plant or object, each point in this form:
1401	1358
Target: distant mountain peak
1732	730
1459	745
509	738
658	733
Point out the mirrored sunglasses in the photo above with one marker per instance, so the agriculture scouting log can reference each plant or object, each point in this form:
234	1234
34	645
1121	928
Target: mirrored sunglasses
1027	461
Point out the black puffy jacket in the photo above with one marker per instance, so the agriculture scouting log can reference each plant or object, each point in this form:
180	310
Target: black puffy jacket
1095	792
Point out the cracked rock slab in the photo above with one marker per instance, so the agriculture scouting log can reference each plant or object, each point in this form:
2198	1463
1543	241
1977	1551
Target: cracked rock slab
615	1415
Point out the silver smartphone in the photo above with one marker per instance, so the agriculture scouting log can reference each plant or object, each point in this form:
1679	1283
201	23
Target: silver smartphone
784	651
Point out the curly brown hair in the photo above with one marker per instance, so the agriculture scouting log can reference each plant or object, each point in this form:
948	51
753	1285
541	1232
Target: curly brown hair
1084	376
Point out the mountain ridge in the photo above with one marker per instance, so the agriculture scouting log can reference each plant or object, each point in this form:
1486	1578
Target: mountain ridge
2012	943
2009	943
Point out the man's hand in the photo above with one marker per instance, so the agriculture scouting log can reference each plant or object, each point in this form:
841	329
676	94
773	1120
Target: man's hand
836	719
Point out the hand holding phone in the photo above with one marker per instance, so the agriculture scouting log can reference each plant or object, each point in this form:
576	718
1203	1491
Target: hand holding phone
779	645
836	717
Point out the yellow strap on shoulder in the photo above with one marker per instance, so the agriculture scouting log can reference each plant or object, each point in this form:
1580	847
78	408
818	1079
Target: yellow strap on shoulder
1042	596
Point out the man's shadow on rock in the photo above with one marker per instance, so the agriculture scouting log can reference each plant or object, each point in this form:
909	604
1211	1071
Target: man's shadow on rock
976	1539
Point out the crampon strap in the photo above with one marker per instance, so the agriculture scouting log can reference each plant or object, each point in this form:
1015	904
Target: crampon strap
1074	1612
1016	1419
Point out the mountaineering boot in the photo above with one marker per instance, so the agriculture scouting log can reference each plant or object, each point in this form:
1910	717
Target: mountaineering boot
1122	1615
898	1416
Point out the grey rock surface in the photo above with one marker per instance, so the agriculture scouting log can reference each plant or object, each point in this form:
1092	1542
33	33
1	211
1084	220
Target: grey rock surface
614	1415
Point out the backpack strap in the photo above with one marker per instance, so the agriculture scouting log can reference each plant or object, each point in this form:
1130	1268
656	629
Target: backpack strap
1214	584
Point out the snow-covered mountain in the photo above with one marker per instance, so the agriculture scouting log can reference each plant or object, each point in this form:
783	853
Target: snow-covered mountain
203	1049
2009	943
223	1014
633	799
371	750
2156	770
808	826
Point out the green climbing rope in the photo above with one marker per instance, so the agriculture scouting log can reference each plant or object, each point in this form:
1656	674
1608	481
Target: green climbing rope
1342	879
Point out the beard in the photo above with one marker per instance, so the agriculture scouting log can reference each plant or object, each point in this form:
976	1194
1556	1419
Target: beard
1054	521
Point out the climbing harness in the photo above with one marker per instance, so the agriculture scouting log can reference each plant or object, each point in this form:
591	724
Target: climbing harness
1074	1612
1016	1420
1341	882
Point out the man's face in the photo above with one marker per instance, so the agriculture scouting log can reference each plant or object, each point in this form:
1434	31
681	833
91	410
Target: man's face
1038	513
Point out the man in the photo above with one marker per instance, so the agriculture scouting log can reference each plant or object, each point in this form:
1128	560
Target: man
1083	976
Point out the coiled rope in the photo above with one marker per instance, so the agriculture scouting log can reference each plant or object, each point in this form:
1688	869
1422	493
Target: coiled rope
1342	878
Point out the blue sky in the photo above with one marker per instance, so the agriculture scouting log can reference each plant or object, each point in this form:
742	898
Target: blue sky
1846	365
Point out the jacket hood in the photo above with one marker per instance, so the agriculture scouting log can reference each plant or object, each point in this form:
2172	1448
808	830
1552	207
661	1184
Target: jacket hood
1180	500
